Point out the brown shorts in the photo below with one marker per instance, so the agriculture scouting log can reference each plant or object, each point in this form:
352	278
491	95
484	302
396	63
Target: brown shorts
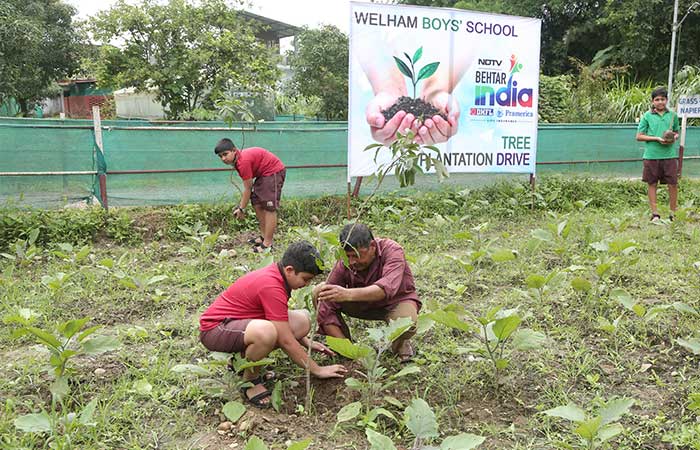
664	171
267	191
227	337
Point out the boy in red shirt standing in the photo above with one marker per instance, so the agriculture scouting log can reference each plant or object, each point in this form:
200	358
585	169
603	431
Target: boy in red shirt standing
251	317
263	177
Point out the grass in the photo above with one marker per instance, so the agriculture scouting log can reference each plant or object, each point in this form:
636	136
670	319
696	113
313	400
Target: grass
143	403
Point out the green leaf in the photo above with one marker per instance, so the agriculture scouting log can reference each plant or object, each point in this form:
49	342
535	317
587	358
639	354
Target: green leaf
450	319
527	339
143	387
501	363
190	369
406	371
241	364
59	388
397	327
255	443
420	419
535	281
404	68
347	348
100	344
69	328
276	397
684	308
614	409
542	235
603	268
88	411
354	383
569	412
33	423
427	71
378	441
692	345
504	255
396	402
301	445
653	312
581	284
417	55
349	412
233	411
505	326
44	337
464	441
588	429
380	412
88	332
609	431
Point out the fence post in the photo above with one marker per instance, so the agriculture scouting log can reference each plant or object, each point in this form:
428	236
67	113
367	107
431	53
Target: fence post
99	154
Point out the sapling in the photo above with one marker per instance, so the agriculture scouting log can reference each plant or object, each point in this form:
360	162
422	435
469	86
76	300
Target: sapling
496	329
420	420
24	251
596	427
374	378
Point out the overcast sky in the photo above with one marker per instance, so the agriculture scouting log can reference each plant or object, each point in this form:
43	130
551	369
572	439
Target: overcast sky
294	12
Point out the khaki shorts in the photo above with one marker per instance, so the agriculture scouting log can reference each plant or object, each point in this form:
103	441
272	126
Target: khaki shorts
267	191
664	171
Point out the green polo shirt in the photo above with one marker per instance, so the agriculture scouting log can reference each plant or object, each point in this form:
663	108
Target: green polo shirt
654	123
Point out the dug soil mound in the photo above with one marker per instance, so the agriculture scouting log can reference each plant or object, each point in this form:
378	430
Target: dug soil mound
415	106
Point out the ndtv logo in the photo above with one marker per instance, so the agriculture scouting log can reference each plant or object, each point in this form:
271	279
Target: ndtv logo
490	62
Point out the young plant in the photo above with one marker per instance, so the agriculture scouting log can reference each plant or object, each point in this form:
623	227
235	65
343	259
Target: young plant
67	253
375	379
203	240
420	420
23	251
410	71
595	428
255	443
497	328
541	284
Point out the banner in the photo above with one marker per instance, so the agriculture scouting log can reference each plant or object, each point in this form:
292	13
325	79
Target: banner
464	81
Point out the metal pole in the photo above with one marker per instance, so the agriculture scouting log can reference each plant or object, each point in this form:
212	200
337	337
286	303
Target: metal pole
673	50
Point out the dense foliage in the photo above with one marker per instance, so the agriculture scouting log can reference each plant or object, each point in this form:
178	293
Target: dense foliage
39	45
193	53
320	66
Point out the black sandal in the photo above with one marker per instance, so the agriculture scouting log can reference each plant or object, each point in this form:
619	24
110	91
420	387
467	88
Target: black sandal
260	248
256	241
257	400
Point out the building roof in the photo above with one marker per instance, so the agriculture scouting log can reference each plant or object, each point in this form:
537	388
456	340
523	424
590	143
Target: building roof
273	28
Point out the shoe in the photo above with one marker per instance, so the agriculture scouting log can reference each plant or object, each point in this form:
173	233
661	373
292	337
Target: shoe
260	248
671	217
257	400
655	218
256	240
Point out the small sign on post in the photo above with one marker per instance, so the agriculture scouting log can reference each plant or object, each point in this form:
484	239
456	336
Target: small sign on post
688	106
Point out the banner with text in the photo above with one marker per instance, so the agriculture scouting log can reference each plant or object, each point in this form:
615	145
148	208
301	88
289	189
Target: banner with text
464	81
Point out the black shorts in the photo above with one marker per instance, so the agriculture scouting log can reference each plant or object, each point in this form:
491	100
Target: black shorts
664	171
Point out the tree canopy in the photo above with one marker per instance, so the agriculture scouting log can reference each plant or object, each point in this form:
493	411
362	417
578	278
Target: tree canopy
38	46
320	66
194	53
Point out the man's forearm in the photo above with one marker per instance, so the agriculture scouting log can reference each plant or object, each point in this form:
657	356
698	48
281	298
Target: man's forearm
371	293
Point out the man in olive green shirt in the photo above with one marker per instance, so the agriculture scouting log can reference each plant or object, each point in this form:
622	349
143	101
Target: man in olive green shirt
660	154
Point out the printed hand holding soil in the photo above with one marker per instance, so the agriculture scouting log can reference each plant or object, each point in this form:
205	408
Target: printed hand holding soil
443	125
384	128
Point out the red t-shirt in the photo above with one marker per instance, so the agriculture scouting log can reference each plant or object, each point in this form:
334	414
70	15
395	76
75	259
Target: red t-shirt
261	294
257	162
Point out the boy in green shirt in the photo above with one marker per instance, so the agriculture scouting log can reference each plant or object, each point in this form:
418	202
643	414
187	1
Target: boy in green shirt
660	153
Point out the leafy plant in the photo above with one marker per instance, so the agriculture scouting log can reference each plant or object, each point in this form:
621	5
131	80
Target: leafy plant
420	420
496	329
598	427
411	72
24	251
374	380
255	443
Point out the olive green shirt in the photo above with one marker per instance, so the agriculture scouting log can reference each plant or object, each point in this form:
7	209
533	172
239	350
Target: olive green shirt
654	123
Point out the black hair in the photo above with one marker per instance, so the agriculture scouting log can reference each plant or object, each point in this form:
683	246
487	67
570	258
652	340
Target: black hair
355	235
659	92
303	257
224	145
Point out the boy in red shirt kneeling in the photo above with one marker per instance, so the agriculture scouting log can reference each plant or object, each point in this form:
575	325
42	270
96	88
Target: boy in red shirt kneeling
251	317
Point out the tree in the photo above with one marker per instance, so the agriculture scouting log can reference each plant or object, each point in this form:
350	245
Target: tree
38	46
320	66
195	54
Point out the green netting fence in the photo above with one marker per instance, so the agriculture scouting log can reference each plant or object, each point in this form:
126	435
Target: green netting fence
315	152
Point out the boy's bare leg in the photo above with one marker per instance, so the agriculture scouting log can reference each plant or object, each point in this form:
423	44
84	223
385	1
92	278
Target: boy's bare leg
260	214
651	193
335	331
673	197
402	345
269	225
260	339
